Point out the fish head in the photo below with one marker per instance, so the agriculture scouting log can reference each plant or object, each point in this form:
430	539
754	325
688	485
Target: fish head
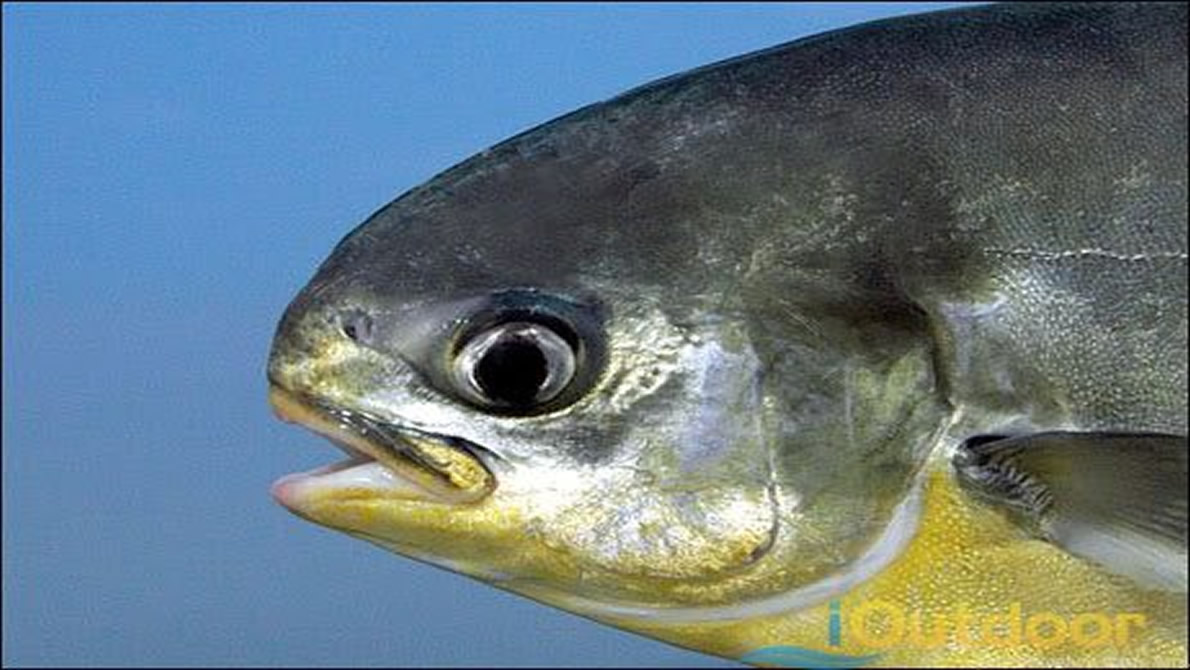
550	376
518	411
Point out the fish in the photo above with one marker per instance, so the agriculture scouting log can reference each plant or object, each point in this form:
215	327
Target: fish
868	349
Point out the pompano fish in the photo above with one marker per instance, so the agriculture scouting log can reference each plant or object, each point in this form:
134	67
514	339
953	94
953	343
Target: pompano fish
867	349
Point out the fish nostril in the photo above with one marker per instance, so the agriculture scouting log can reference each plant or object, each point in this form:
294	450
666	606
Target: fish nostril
356	326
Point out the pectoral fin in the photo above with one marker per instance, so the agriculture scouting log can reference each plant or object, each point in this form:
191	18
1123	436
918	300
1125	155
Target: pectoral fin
1116	499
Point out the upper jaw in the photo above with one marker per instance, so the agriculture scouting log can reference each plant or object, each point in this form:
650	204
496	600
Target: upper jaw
406	462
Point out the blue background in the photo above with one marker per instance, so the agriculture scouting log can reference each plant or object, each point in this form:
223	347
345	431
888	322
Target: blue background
172	175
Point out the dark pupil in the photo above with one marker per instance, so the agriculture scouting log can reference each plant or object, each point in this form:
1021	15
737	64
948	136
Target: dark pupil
512	371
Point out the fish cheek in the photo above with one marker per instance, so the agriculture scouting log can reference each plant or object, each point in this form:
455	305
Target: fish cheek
667	535
692	502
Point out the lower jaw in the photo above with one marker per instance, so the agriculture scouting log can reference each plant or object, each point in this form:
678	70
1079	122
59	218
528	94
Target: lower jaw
353	477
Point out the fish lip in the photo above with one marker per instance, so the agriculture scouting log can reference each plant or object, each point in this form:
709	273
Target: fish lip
447	468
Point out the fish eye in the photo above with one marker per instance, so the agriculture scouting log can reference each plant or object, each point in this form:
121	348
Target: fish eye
516	367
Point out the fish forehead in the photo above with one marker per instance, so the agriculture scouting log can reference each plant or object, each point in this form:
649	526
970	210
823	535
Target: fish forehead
575	202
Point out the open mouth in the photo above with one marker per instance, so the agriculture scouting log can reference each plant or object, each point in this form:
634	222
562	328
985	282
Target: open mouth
399	459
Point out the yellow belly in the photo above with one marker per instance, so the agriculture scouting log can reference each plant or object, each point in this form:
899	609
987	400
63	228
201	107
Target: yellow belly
970	590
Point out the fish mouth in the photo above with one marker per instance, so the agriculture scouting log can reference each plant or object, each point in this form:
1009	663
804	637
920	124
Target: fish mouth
401	461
